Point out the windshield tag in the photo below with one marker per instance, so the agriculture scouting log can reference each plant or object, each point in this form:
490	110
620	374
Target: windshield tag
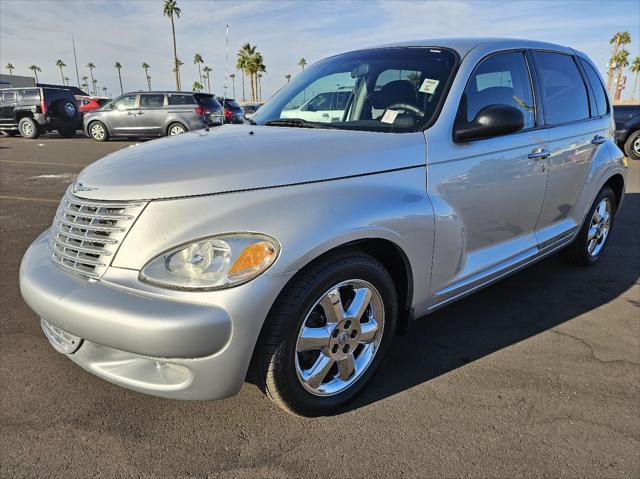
429	86
389	116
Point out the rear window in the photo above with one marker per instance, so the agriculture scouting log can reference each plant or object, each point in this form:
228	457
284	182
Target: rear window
208	101
231	103
181	100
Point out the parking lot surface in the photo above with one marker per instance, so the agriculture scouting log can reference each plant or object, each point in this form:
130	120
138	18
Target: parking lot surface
538	375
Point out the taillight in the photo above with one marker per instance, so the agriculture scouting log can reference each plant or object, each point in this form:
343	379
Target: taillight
43	106
227	113
199	111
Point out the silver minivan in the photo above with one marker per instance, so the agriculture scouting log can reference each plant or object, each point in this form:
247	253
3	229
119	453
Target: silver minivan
152	114
306	245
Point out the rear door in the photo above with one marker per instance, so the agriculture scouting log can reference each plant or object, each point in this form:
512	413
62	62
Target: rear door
575	129
122	117
8	100
152	114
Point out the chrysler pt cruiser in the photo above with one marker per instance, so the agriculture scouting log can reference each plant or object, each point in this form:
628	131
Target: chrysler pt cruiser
301	247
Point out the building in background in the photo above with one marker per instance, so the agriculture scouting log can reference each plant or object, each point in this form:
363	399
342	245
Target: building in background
16	81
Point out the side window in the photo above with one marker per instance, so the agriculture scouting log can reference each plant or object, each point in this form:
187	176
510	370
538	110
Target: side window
597	87
9	96
564	94
340	100
181	100
151	101
125	102
319	102
500	79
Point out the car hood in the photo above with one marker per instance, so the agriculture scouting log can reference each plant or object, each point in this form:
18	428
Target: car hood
235	158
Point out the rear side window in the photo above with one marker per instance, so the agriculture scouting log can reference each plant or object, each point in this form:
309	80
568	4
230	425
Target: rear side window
9	96
125	102
151	101
597	87
208	102
564	94
500	79
181	100
30	96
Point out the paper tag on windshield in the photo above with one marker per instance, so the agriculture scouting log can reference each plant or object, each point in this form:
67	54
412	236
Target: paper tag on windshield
389	116
429	86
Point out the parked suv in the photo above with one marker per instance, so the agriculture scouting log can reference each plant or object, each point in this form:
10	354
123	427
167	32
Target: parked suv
34	111
151	114
233	112
627	118
307	245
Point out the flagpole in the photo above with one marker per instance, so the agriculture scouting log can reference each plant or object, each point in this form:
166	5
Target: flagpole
75	59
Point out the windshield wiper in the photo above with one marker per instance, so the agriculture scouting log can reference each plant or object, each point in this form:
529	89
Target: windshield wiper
295	122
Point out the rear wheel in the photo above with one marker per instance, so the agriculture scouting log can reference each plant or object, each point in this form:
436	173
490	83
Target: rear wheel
327	334
97	131
29	128
176	129
592	238
67	132
632	146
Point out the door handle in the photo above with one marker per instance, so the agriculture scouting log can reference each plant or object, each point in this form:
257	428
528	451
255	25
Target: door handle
598	140
130	113
140	113
539	154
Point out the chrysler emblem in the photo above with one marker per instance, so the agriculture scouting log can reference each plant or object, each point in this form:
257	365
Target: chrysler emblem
80	187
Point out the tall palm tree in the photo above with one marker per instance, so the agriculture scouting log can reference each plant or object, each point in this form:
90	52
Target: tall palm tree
635	68
170	9
207	75
66	80
60	64
255	66
288	77
198	60
95	86
10	67
618	40
104	90
621	60
302	63
197	86
244	54
35	69
233	82
118	67
84	82
91	66
145	67
178	65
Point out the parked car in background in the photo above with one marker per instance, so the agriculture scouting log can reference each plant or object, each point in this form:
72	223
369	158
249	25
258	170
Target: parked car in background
325	106
306	245
627	119
34	111
149	114
89	103
251	108
233	112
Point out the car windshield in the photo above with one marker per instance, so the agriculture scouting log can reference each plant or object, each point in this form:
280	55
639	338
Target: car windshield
386	89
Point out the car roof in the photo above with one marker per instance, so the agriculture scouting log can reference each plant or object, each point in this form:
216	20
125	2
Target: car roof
165	92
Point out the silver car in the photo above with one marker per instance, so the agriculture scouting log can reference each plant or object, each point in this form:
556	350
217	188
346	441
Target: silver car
307	245
152	114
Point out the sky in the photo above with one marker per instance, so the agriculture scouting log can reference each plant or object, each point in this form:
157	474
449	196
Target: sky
134	31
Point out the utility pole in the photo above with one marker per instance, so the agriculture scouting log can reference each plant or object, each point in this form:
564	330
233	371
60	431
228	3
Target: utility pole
75	59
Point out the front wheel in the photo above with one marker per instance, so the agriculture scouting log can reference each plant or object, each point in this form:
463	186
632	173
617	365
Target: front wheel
29	128
327	334
98	132
592	238
176	129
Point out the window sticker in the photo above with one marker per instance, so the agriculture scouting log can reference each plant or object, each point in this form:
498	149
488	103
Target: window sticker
389	116
429	86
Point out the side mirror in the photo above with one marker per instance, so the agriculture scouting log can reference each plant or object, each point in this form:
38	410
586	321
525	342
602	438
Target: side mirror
492	120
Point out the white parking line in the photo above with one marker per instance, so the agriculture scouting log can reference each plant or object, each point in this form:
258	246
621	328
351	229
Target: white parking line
26	198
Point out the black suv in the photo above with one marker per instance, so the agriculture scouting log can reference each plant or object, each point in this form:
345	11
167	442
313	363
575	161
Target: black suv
233	112
628	129
33	111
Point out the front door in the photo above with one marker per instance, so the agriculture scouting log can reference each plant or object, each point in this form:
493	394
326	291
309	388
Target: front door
152	113
122	117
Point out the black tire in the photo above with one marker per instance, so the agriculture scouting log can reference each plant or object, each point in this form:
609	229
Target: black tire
67	132
577	253
29	128
632	146
176	125
275	360
98	131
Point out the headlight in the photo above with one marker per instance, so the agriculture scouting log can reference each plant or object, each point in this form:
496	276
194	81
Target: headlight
213	263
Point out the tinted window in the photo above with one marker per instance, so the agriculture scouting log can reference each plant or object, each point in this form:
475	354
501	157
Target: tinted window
340	100
563	92
597	87
125	102
319	102
230	103
9	96
151	101
500	79
181	100
208	102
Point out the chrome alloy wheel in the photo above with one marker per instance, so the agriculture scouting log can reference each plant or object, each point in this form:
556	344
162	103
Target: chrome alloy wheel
26	128
69	109
599	227
97	131
339	338
176	130
636	146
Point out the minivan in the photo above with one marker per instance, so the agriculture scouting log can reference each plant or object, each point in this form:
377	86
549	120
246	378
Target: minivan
300	247
152	114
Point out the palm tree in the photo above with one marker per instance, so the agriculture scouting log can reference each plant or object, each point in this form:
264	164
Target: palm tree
10	67
244	54
302	63
288	77
255	66
635	68
618	40
198	60
621	60
118	67
84	82
95	86
207	75
197	86
66	80
60	64
170	9
259	87
91	66
178	65
35	69
104	90
145	67
233	82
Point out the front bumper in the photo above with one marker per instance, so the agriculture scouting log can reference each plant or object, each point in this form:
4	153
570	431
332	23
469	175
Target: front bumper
163	346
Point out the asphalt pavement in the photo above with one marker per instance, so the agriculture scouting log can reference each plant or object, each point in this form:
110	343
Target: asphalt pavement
538	375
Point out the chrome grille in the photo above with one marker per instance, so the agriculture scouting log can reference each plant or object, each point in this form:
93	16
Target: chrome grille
86	234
